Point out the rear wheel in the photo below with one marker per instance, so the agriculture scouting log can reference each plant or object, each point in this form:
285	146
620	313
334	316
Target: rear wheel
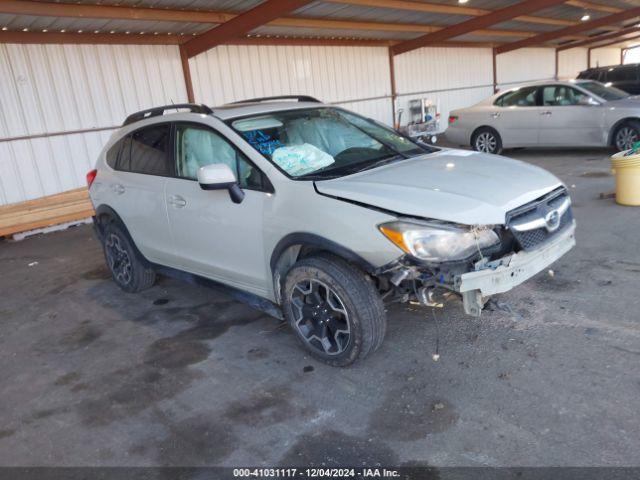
334	309
487	140
128	270
626	135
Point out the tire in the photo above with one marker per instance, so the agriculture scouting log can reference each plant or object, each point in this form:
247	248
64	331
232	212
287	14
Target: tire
626	135
128	269
326	297
486	140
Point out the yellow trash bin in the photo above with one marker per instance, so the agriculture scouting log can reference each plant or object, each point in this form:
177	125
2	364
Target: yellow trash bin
627	172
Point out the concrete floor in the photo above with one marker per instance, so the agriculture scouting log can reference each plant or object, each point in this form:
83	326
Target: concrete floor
182	375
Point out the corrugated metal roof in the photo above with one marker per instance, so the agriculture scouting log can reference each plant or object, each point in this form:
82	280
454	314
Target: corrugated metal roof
88	25
323	10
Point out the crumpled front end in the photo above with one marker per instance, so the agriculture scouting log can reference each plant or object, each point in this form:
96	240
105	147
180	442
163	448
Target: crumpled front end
533	237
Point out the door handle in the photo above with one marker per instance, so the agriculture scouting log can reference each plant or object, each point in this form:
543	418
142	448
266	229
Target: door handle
177	201
547	113
495	114
118	189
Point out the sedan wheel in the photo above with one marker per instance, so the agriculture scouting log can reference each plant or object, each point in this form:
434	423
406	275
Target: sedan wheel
626	137
487	140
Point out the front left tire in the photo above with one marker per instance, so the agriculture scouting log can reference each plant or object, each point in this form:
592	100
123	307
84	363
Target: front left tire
334	309
626	135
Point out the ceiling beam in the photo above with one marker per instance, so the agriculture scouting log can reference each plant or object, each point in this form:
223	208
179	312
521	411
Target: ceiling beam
599	38
89	38
564	32
448	10
73	10
136	39
242	24
594	6
27	7
477	23
615	42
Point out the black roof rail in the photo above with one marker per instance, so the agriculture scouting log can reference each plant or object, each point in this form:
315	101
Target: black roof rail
299	98
157	111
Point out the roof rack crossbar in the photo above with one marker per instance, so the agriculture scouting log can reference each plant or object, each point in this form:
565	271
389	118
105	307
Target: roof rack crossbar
299	98
157	111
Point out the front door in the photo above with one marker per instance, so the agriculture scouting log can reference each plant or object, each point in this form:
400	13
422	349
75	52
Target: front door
213	236
570	118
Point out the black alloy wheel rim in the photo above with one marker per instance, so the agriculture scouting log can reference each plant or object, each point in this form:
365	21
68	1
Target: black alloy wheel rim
320	317
118	259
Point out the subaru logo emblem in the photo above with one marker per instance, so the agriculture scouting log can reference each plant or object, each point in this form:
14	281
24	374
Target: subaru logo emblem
552	220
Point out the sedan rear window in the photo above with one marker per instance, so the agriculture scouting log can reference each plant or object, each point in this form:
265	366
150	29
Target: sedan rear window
521	97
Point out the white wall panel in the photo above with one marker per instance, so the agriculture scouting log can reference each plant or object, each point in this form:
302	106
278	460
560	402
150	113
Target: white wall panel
571	62
450	77
524	65
603	57
333	74
60	88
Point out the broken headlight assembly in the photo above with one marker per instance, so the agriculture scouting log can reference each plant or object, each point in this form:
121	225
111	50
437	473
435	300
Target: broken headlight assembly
434	242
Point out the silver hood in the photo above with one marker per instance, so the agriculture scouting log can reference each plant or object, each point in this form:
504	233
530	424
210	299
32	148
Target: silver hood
451	185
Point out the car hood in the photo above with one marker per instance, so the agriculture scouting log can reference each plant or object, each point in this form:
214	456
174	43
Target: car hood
451	185
629	102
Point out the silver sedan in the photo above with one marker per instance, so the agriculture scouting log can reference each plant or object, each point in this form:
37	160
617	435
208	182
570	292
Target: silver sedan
575	113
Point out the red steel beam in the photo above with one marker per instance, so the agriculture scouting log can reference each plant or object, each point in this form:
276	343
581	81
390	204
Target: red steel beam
600	38
477	23
565	32
242	24
620	40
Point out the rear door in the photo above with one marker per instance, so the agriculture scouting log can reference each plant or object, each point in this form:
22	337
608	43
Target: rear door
516	116
137	188
213	236
568	118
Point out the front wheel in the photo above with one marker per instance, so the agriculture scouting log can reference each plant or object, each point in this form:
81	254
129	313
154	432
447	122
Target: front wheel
626	135
334	309
487	140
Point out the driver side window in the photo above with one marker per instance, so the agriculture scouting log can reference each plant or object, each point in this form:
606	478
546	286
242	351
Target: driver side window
561	95
199	146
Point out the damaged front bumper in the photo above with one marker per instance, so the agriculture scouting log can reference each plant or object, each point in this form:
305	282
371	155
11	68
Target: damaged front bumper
502	275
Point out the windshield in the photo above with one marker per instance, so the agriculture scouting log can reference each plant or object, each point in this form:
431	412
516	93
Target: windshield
324	142
603	91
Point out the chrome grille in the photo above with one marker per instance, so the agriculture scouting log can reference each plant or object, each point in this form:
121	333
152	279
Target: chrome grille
539	221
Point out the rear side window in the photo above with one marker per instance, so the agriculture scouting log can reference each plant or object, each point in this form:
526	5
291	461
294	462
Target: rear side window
147	151
113	153
523	97
622	74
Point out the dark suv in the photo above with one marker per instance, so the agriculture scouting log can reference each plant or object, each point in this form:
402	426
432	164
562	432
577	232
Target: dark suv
624	77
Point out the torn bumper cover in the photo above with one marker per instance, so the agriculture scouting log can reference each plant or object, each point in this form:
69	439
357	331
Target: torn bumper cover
503	274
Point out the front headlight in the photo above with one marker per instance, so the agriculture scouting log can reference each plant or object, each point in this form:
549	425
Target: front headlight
438	243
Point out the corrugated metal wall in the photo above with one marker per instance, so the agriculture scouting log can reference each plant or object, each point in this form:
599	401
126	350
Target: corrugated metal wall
602	57
61	88
525	65
451	77
571	62
355	77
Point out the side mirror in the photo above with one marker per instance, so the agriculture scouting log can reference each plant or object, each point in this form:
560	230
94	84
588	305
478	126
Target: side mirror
219	176
588	101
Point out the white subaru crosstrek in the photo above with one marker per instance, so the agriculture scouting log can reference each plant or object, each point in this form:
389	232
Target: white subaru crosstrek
319	213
